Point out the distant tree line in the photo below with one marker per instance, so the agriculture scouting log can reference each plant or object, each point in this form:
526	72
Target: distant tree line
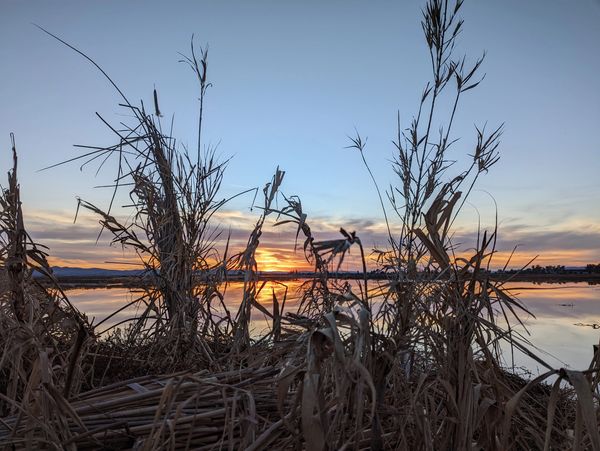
549	269
560	269
593	268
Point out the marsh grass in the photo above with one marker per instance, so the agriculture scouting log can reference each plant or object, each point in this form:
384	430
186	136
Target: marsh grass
422	369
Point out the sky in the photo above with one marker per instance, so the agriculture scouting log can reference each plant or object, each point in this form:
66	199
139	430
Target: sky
290	82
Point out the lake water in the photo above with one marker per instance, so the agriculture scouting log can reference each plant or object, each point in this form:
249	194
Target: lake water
563	327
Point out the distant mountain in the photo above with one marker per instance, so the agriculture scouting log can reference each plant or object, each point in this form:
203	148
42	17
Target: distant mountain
61	271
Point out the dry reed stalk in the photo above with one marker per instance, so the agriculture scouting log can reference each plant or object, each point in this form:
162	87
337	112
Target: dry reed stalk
43	336
174	198
438	320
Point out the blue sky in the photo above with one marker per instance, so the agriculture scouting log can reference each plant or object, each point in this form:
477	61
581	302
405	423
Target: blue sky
291	81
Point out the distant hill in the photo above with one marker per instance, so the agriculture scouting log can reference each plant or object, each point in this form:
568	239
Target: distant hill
61	271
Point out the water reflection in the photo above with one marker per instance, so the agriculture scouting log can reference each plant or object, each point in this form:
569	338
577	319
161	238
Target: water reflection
557	309
98	303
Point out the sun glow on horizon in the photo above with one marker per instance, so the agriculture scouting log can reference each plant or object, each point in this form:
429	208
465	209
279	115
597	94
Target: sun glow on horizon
281	260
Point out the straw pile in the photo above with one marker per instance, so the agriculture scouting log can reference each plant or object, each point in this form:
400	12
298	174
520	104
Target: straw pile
184	411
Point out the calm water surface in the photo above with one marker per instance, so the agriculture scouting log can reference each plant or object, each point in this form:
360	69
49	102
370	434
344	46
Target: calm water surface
562	328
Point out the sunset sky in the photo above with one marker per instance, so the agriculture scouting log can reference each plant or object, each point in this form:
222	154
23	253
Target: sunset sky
290	81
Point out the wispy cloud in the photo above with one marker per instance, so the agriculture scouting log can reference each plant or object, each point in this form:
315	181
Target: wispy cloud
569	243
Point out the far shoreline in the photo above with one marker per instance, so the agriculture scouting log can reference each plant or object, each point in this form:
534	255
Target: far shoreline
110	281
